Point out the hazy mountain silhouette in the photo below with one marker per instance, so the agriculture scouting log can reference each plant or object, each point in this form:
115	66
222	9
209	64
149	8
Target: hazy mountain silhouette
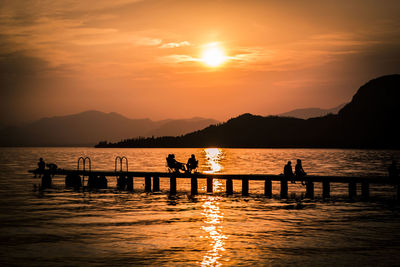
306	113
370	120
88	127
180	127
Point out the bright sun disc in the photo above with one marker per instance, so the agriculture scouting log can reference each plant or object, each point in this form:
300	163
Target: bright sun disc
213	56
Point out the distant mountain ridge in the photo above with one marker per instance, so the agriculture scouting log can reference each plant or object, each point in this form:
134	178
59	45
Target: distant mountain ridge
88	127
306	113
370	120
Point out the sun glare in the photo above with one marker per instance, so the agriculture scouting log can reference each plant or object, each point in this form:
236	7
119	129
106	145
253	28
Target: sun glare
213	55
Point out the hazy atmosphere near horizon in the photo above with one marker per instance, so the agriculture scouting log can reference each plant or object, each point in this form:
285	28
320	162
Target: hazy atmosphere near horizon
199	133
181	59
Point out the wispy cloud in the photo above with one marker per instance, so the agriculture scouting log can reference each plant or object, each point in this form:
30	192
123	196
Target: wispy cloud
175	45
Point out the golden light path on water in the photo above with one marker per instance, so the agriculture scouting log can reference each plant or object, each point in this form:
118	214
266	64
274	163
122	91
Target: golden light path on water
212	215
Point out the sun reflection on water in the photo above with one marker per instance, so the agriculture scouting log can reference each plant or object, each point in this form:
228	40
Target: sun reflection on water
212	214
213	157
213	218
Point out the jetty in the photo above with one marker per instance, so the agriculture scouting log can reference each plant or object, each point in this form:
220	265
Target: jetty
152	180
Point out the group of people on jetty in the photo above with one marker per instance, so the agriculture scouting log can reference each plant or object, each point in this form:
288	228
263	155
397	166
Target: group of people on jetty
177	166
298	171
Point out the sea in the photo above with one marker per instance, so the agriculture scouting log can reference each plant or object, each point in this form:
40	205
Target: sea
65	227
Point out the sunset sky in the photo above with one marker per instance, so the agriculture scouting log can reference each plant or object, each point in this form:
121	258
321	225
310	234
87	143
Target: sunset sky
146	59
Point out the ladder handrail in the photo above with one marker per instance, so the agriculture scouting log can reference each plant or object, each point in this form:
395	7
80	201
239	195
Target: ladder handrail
120	161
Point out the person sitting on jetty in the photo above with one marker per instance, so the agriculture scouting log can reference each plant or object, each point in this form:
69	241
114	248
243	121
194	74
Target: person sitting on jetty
298	170
41	165
173	164
192	164
52	166
393	172
288	172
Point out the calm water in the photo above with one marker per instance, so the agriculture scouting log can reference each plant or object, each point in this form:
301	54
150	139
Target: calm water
67	228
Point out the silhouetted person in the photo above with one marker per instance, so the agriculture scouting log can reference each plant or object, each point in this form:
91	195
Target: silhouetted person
52	166
192	164
393	172
173	164
288	172
41	165
298	170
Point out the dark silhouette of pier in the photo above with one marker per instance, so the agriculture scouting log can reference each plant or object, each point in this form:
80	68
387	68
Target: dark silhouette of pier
152	180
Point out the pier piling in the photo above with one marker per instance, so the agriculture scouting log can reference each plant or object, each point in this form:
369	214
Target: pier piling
147	184
352	190
245	186
326	189
268	188
229	187
156	184
309	190
209	185
193	186
365	190
172	185
129	183
284	188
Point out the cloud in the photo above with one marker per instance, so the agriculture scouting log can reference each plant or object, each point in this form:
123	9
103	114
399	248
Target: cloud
175	45
146	41
178	59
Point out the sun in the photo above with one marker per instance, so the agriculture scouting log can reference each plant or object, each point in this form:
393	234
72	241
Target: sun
213	55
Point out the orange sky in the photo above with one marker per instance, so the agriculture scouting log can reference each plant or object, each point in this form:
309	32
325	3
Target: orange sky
141	58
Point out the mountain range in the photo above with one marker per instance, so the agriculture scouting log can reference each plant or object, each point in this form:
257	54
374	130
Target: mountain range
87	128
370	120
306	113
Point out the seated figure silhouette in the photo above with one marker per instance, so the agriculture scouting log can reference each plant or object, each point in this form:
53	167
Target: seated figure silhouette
288	172
173	164
192	164
393	172
41	165
52	166
298	170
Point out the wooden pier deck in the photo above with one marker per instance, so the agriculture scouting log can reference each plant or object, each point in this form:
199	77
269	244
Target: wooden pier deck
152	182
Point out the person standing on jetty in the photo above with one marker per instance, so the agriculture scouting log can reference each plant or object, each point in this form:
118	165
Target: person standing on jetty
288	172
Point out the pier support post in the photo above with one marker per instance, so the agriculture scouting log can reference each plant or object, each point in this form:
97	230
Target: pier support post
352	190
129	183
229	187
398	191
245	186
156	184
209	185
310	189
147	184
268	188
193	185
365	190
326	189
172	185
284	188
